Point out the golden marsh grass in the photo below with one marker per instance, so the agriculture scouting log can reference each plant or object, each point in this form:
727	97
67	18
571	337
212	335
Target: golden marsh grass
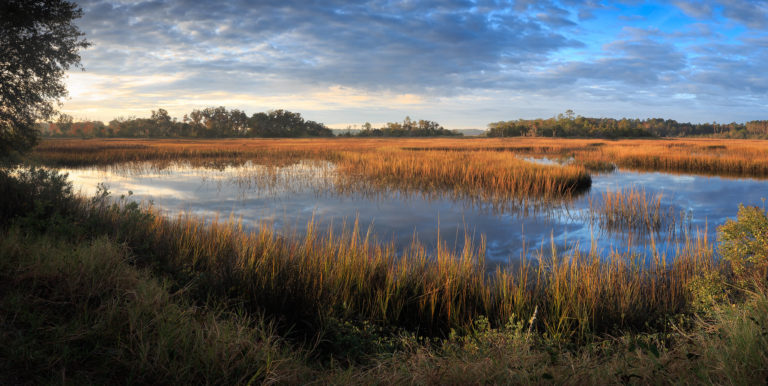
353	275
698	156
632	209
350	274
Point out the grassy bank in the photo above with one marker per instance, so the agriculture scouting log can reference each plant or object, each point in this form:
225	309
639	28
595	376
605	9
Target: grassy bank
82	313
96	291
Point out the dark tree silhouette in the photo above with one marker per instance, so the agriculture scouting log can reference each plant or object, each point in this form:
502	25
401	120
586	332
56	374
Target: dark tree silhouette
38	43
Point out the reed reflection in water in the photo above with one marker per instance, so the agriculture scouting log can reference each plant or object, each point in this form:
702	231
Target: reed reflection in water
290	196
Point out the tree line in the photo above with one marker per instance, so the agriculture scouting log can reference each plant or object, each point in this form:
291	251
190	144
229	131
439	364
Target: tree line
570	125
218	122
408	128
211	122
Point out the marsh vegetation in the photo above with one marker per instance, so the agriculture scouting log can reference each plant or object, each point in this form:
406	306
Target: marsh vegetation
338	299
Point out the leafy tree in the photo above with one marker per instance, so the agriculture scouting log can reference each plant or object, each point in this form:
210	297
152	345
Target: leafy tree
570	125
161	123
64	124
38	43
408	128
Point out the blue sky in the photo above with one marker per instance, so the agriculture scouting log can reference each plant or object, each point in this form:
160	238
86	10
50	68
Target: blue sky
461	63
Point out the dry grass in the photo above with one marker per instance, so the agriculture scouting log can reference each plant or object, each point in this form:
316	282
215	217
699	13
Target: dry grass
699	156
350	275
82	313
483	173
79	307
631	209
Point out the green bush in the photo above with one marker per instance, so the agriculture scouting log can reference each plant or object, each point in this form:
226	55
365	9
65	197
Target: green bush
37	194
707	290
744	243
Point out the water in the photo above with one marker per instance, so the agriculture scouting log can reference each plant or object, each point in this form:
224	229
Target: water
289	197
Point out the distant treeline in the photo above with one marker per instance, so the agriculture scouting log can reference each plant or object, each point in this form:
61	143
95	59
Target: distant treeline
218	122
408	128
568	125
212	122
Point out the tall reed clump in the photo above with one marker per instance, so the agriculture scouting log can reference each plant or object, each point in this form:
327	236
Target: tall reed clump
581	294
350	276
480	173
632	210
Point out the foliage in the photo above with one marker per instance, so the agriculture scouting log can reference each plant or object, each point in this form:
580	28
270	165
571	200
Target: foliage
569	125
744	243
708	290
36	194
39	43
409	128
281	123
210	122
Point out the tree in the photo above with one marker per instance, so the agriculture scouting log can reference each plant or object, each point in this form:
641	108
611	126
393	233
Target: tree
38	43
64	124
161	123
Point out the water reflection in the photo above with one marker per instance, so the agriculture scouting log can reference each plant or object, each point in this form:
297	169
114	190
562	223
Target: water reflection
292	195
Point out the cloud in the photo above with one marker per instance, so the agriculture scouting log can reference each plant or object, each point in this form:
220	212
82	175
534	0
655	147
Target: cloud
372	57
697	9
752	13
406	45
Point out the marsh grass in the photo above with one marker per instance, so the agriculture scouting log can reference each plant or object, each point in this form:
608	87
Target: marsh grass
84	313
481	174
131	295
729	347
349	275
633	210
597	166
737	158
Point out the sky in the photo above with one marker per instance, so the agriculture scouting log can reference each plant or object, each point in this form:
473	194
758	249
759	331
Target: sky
461	63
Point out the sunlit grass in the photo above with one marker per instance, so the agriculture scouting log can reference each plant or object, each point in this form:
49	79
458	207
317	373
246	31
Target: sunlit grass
632	209
483	173
351	275
558	295
698	156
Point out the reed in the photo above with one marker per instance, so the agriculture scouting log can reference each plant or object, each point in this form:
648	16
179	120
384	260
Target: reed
350	276
632	209
699	156
484	173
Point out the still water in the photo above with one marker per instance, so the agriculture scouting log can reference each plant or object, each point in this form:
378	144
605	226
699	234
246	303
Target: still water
288	197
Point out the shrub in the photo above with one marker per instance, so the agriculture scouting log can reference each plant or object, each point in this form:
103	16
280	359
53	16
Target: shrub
744	243
34	193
